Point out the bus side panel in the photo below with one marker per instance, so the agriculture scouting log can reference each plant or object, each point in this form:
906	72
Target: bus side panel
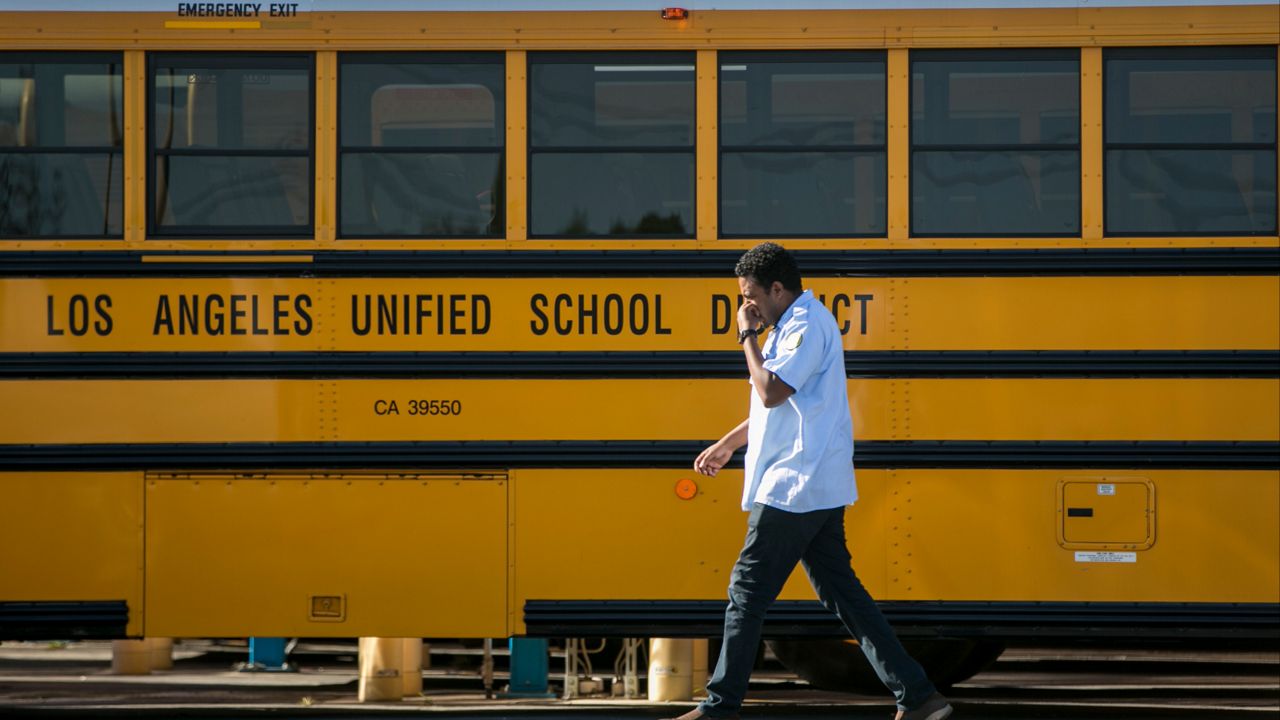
327	556
73	537
628	535
659	314
253	410
625	534
1208	536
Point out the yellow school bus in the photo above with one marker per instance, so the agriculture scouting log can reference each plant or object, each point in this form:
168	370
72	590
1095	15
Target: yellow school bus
336	318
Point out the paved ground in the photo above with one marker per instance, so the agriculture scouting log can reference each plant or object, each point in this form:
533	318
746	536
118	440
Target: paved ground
54	680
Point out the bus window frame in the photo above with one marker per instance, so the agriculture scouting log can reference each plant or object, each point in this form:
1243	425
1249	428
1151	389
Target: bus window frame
223	59
798	56
77	57
616	57
1163	52
983	55
436	57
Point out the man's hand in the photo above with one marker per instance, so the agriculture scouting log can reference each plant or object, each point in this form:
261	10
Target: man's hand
710	461
749	317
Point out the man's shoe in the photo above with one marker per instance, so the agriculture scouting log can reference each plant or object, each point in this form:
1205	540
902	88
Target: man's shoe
697	714
935	708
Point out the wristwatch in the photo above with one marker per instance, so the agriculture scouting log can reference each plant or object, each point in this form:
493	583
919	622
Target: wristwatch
744	334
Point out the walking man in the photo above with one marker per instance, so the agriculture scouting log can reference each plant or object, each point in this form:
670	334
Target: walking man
798	480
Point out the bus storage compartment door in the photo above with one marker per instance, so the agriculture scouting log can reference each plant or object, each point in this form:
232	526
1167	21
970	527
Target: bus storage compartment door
1106	513
326	555
71	555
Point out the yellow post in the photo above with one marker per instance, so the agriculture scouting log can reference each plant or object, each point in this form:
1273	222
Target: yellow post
326	148
708	147
135	147
898	146
161	653
130	657
380	663
1092	220
670	670
517	144
411	670
700	666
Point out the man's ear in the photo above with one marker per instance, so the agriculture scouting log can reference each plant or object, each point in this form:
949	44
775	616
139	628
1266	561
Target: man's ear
776	288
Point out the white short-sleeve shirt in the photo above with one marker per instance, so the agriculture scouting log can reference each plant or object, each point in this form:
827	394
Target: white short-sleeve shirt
800	454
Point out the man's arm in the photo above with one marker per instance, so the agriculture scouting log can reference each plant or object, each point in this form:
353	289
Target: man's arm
772	391
717	455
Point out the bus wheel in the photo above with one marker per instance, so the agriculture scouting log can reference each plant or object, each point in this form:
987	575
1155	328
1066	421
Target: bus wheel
839	665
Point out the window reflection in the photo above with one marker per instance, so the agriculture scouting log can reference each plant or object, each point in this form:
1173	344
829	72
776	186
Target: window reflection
421	195
231	139
611	102
1190	141
264	193
995	139
422	137
611	142
1029	193
623	194
802	140
60	145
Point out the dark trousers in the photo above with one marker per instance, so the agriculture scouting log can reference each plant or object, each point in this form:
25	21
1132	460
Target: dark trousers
776	541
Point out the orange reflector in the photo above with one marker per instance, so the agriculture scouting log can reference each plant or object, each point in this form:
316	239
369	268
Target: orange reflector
686	489
674	13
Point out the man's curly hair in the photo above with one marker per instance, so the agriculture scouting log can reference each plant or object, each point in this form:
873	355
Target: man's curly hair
767	262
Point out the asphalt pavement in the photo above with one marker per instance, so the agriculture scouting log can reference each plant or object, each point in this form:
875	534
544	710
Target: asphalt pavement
74	680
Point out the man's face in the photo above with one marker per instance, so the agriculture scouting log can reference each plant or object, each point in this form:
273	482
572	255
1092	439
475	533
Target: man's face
768	301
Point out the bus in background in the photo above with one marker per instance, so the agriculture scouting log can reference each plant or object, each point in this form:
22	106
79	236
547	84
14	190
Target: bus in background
408	319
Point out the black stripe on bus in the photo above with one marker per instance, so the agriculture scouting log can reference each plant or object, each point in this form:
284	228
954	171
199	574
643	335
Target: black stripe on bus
642	263
593	365
61	620
501	455
1253	622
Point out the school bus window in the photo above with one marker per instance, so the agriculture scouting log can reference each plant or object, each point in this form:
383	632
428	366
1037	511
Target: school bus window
802	144
421	145
61	168
611	144
995	143
1190	141
230	144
